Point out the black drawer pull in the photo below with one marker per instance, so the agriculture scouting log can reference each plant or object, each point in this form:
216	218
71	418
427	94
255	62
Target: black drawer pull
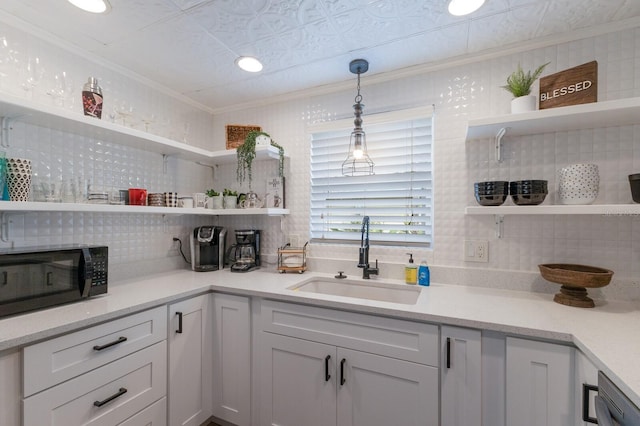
327	376
120	392
108	345
179	330
448	352
342	379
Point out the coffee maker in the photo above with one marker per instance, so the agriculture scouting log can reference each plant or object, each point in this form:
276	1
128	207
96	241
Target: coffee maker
244	255
207	248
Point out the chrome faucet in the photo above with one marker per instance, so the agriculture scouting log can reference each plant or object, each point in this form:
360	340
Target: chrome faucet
363	260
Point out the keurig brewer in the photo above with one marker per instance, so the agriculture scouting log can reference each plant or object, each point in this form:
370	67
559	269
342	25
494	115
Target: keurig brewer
207	248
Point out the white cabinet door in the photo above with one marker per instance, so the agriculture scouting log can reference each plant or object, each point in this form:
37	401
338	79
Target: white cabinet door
10	384
539	384
461	373
379	391
190	362
298	382
232	359
585	390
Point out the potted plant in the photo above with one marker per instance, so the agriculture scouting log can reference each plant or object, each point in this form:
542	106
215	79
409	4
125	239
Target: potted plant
230	198
247	152
214	199
519	84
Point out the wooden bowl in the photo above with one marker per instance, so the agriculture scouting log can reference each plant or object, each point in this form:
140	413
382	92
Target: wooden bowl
574	280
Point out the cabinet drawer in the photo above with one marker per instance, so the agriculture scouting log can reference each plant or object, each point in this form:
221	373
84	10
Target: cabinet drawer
124	387
408	340
154	415
53	361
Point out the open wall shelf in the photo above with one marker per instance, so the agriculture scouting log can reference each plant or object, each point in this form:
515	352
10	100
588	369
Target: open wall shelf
17	109
618	112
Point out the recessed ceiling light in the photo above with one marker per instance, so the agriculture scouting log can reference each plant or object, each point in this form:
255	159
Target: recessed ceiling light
464	7
249	63
93	6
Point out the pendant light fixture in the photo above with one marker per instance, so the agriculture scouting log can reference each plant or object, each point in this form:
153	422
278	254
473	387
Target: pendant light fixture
358	162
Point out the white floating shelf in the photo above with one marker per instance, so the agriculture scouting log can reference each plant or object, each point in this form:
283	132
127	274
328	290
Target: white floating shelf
618	112
598	209
16	206
14	108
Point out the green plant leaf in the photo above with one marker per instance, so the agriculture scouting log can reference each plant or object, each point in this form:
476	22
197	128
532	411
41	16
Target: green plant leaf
519	83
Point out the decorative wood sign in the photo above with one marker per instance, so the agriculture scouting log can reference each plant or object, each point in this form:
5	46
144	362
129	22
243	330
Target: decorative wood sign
577	85
236	134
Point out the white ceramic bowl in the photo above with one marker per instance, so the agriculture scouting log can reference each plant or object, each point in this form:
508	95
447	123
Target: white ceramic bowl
580	172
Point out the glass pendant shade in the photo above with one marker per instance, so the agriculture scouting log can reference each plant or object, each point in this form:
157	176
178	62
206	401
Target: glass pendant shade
358	162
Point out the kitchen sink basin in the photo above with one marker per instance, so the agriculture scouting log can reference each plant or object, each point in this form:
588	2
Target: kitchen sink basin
372	290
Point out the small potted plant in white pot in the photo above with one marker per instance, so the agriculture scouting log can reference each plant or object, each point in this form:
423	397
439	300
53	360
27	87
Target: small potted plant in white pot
214	199
230	198
519	84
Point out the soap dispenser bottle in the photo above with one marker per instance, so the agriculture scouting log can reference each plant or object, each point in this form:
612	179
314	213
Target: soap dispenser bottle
410	271
424	276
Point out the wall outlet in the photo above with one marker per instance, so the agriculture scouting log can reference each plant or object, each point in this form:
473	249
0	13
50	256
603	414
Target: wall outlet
476	251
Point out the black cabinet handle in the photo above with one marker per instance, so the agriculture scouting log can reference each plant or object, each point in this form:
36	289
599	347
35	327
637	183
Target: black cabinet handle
179	330
120	392
327	376
585	403
108	345
342	379
448	352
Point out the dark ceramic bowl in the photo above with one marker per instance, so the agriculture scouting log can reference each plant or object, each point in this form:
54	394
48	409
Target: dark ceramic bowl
528	182
491	200
634	182
528	199
499	191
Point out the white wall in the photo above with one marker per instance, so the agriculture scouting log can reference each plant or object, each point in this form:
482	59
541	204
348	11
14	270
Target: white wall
460	90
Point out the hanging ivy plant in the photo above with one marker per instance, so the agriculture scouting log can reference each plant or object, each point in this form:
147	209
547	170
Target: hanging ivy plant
247	153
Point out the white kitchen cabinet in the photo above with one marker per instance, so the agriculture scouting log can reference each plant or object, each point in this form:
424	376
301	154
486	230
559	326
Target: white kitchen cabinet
586	385
232	359
10	388
101	375
461	376
294	386
53	361
375	390
327	367
190	361
540	383
315	384
105	396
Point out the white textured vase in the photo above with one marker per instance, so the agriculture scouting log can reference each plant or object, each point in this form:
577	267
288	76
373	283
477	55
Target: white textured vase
524	104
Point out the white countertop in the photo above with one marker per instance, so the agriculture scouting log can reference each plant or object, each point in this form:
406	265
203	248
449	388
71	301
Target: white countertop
607	334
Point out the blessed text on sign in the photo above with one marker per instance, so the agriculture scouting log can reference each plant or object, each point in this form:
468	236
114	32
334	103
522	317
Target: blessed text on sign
577	85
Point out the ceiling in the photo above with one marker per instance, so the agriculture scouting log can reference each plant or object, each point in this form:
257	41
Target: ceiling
190	45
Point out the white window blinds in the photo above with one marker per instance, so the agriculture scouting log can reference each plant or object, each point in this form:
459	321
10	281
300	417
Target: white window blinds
397	198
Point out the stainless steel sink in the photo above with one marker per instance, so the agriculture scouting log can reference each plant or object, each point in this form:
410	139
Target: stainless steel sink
372	290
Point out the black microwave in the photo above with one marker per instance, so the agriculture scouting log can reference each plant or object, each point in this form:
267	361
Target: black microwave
37	277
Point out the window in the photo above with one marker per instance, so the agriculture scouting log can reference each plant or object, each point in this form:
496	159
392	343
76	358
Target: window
397	198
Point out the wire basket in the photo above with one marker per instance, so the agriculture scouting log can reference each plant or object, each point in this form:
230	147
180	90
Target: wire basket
292	258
